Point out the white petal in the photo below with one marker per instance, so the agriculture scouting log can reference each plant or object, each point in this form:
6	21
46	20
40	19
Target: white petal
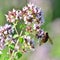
14	10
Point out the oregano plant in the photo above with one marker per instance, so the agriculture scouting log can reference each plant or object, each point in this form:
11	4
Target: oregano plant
22	31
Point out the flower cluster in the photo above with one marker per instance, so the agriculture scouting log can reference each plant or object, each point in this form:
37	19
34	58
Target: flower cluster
5	34
29	41
14	15
32	14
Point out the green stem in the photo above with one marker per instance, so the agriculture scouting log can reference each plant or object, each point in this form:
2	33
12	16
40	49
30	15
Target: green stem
16	42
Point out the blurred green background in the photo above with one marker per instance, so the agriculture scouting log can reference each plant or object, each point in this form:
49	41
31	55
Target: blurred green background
51	10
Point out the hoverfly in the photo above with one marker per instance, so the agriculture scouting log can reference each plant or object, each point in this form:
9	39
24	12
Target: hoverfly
45	38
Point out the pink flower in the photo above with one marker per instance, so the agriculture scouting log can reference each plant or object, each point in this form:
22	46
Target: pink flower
13	16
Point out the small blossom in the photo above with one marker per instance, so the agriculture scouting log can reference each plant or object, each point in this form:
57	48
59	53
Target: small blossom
25	8
27	38
19	14
32	44
8	29
13	16
40	34
36	27
30	5
29	28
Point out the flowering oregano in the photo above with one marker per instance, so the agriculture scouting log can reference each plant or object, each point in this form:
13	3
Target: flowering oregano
22	30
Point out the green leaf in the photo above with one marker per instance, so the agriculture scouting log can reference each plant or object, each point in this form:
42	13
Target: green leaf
11	46
22	26
15	36
18	55
21	40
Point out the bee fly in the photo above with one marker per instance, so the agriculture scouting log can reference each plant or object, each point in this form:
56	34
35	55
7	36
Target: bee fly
45	38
